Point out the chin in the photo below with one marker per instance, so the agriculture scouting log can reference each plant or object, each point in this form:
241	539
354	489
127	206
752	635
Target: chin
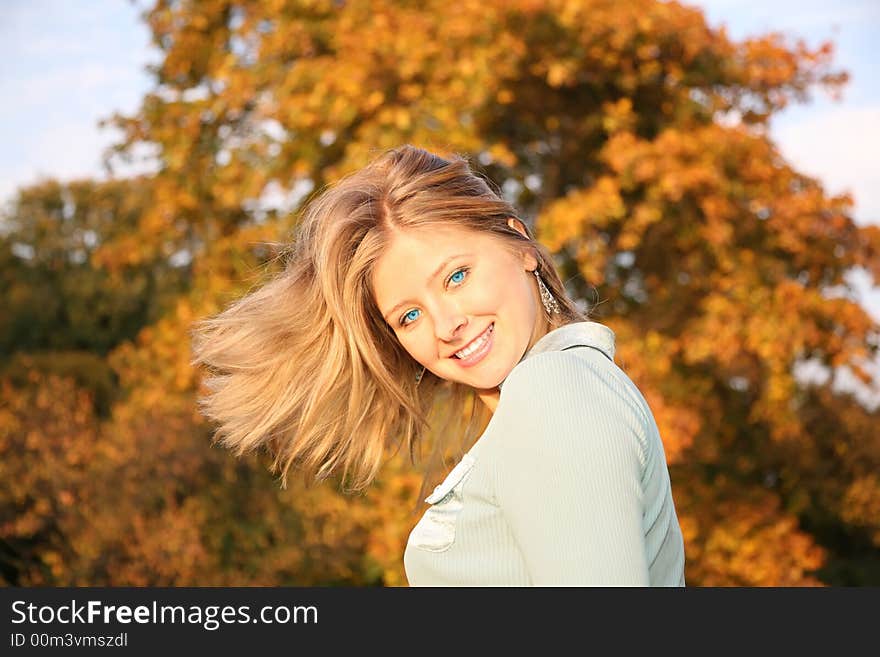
489	382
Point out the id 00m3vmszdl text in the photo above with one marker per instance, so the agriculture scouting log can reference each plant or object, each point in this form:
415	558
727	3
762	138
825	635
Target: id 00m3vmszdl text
67	640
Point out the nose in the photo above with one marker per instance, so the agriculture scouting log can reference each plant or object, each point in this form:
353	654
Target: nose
450	323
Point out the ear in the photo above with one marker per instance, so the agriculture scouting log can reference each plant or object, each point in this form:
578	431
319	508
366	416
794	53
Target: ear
530	262
518	226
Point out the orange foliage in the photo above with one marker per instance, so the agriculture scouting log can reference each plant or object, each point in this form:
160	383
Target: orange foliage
632	134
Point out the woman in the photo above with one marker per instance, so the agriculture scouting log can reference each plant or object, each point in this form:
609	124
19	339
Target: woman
411	280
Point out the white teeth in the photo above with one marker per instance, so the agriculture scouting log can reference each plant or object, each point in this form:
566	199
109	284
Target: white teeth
464	353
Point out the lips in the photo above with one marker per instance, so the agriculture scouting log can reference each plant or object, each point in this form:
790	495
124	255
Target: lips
487	332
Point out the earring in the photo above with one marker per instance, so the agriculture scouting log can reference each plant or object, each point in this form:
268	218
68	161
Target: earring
550	304
420	375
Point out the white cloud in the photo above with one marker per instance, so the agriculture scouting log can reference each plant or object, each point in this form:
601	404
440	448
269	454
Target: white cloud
49	46
753	17
867	296
839	146
65	151
78	83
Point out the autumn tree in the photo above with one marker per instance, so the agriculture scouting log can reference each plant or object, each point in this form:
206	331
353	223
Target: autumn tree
634	138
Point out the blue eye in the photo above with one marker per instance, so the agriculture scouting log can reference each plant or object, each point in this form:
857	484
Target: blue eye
459	280
403	319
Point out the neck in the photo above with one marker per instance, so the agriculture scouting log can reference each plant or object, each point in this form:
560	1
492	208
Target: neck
542	328
489	397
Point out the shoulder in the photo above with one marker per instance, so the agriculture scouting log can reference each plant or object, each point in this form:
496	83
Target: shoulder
551	372
578	392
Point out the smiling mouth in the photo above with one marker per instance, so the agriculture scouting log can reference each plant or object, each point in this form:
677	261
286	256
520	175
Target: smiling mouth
475	345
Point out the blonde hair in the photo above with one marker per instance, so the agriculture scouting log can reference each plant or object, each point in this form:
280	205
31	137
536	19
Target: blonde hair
306	367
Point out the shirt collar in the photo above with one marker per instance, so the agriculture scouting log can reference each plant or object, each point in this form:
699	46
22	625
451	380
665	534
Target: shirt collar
576	334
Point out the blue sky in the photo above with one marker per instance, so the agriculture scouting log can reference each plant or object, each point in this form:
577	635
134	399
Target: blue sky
64	65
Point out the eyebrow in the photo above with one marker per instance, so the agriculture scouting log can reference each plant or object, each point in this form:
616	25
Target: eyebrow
430	278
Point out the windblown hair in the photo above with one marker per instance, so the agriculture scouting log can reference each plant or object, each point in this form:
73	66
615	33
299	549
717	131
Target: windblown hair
306	367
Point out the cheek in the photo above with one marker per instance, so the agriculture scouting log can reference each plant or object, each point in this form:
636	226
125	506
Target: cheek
494	289
415	343
518	296
507	291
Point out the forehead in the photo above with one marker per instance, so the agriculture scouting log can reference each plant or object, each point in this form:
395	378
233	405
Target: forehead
431	239
412	256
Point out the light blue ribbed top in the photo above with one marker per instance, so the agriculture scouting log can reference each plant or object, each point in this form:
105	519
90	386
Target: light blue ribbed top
567	486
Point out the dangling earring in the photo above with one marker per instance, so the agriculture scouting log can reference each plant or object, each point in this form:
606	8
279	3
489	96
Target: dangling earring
550	304
420	375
